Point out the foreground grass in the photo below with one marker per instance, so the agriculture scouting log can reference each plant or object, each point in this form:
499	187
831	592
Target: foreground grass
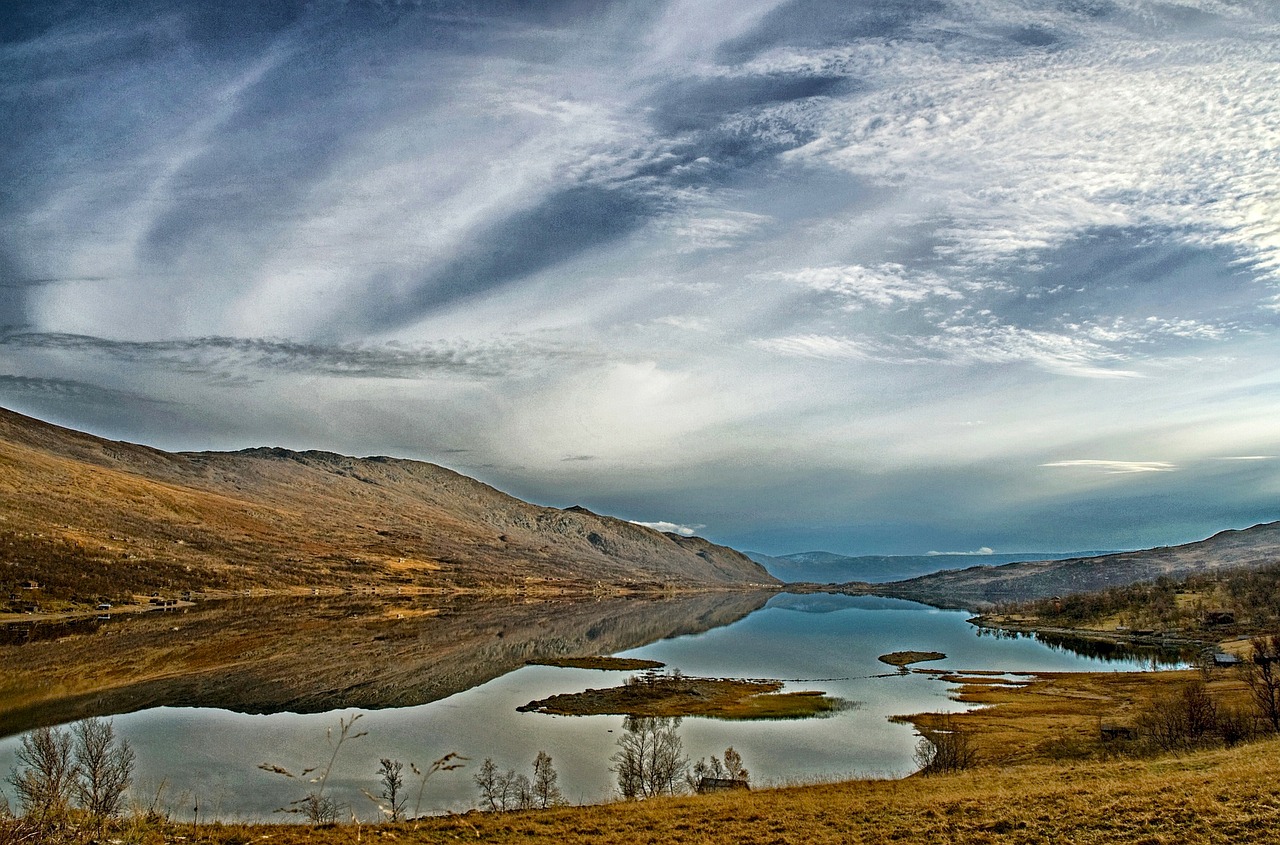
1230	796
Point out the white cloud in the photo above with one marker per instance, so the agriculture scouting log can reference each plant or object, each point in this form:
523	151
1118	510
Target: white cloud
885	285
815	346
1023	152
1116	467
671	527
985	550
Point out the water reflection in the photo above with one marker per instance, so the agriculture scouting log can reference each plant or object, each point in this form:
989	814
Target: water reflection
1147	655
308	655
465	660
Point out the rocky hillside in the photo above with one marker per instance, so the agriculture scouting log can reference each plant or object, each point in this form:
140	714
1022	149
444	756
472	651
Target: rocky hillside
983	586
90	519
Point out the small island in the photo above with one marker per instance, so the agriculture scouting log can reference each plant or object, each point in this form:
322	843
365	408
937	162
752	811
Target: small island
608	664
653	694
903	659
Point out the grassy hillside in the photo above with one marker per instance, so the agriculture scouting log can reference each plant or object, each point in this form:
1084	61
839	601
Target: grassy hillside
92	520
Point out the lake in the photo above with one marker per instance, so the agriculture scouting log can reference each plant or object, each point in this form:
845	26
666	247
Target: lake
209	756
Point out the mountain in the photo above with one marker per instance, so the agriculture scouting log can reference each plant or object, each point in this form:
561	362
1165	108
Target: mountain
831	568
982	586
91	519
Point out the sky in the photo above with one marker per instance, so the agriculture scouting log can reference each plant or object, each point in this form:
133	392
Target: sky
868	276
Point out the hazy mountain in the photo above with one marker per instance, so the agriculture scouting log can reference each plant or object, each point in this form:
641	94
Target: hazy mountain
831	568
93	518
985	585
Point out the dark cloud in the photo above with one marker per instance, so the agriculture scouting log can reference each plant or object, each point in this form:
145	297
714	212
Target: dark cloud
810	24
230	360
560	227
1130	272
67	390
703	104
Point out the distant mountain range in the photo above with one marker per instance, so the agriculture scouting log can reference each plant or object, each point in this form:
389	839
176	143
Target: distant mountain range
983	586
830	568
91	519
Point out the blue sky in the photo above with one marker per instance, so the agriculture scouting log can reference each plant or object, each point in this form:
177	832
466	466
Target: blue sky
888	276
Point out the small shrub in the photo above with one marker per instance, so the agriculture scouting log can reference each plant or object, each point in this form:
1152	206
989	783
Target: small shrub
945	749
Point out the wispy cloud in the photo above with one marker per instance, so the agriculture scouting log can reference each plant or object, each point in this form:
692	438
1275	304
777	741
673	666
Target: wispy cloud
1116	467
228	356
672	527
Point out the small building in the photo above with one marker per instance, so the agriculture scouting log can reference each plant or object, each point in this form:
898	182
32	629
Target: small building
720	785
30	585
1112	732
1222	658
1219	617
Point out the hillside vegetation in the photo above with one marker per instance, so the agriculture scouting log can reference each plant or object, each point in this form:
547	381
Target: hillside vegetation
1209	606
92	520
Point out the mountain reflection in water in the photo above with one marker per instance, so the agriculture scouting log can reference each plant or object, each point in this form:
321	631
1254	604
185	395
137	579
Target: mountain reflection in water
310	655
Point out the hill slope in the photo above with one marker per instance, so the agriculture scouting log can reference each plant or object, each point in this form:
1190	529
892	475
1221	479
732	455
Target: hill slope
93	519
977	586
832	568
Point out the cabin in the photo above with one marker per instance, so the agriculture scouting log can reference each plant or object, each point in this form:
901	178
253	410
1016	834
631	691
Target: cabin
30	585
1219	617
1221	658
720	785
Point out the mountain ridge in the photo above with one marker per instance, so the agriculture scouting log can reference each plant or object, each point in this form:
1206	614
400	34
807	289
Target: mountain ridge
93	519
823	567
984	586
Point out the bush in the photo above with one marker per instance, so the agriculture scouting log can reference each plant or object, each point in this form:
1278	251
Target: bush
945	749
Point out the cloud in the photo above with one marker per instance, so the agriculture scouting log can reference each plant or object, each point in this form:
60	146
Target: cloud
815	346
985	550
671	527
885	286
69	391
223	358
1117	467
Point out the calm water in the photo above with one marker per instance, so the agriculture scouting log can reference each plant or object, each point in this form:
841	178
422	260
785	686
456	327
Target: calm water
209	757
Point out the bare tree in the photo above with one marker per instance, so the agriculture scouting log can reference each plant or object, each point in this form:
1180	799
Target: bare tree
519	793
491	785
733	765
546	791
104	768
392	784
945	749
650	758
1262	674
46	776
